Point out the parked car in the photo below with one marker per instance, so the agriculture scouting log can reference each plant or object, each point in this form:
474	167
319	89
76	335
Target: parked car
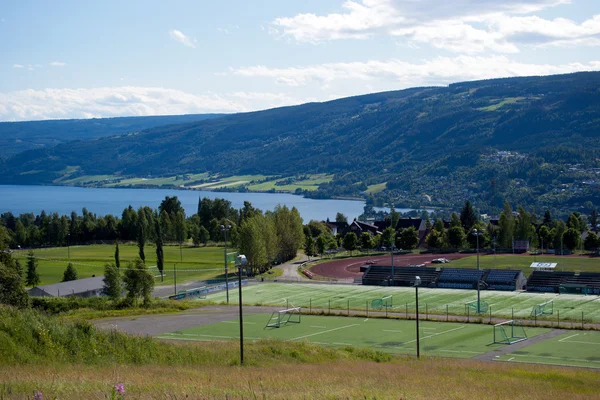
440	261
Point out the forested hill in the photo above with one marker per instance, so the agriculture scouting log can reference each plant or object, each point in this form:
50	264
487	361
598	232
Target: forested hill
20	136
422	146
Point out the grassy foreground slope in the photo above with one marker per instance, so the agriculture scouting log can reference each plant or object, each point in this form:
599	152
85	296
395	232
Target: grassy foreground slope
74	361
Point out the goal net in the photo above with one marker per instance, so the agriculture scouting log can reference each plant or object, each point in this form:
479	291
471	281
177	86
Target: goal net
384	302
471	307
284	317
509	332
546	308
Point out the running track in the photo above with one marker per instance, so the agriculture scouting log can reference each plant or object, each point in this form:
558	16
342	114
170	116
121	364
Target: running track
350	267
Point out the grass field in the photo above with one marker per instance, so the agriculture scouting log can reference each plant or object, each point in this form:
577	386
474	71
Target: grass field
431	301
198	262
306	184
521	262
581	349
392	336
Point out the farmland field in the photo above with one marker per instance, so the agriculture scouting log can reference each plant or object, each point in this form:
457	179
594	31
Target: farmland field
198	262
312	183
431	301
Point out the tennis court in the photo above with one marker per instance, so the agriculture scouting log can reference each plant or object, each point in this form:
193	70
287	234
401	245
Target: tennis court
575	348
392	336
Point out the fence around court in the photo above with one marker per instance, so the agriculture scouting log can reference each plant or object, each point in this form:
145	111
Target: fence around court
574	311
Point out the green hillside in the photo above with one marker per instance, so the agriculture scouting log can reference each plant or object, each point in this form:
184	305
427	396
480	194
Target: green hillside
532	141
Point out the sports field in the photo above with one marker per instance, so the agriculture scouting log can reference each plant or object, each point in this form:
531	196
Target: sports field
581	349
198	262
509	305
393	336
523	262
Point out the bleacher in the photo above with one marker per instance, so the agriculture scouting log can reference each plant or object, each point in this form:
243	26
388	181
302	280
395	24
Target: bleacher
403	276
459	278
589	280
547	281
502	279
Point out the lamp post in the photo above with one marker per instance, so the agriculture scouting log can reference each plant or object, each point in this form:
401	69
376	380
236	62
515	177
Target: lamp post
175	277
478	233
224	229
69	245
240	262
417	283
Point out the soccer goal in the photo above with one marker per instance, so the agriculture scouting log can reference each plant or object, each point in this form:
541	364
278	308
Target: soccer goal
384	302
284	317
546	308
471	307
509	332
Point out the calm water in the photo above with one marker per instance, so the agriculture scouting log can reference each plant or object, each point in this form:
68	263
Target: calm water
63	200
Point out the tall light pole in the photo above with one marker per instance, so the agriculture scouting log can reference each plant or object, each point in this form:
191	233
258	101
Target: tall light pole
69	245
478	233
240	262
224	229
417	283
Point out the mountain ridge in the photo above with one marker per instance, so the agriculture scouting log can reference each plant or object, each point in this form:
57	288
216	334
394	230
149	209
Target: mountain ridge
408	139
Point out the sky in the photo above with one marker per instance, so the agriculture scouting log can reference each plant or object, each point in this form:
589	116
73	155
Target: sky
88	59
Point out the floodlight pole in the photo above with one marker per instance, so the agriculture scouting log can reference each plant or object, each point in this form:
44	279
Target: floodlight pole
477	233
175	277
69	246
225	228
241	317
417	282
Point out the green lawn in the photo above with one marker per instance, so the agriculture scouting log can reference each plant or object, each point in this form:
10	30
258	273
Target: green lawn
311	183
566	263
379	187
393	336
579	349
431	301
198	262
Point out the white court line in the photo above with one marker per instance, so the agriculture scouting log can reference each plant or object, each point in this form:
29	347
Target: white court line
579	341
390	330
320	333
317	326
462	351
568	337
366	320
343	344
510	359
436	334
208	336
237	323
555	358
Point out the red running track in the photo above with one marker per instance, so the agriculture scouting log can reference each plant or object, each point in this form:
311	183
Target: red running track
350	267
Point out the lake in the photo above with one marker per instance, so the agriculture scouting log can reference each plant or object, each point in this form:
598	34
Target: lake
64	199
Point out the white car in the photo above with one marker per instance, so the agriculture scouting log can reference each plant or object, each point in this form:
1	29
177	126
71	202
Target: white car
440	261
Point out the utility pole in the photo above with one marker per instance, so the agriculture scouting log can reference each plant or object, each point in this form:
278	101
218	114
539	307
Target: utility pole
478	233
417	283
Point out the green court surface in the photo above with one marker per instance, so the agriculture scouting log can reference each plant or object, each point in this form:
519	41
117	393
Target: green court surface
507	305
392	336
578	349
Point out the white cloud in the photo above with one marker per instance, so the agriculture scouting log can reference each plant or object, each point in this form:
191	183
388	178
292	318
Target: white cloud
18	66
58	64
464	26
181	38
224	30
401	74
129	100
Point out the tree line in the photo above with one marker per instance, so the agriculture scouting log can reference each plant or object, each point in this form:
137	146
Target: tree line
541	233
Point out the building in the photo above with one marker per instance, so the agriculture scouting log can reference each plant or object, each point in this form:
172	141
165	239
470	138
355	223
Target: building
87	287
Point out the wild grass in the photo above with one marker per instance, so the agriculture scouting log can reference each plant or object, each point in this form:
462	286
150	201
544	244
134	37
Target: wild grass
403	378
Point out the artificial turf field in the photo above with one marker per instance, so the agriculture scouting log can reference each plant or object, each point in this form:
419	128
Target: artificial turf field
508	305
392	336
577	348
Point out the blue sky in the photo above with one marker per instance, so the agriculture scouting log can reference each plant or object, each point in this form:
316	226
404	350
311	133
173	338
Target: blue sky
82	59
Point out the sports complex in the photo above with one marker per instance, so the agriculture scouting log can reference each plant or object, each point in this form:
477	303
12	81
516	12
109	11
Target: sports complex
551	328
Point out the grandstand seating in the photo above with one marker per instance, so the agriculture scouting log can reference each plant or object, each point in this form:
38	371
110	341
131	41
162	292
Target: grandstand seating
459	278
502	279
547	281
591	280
403	276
